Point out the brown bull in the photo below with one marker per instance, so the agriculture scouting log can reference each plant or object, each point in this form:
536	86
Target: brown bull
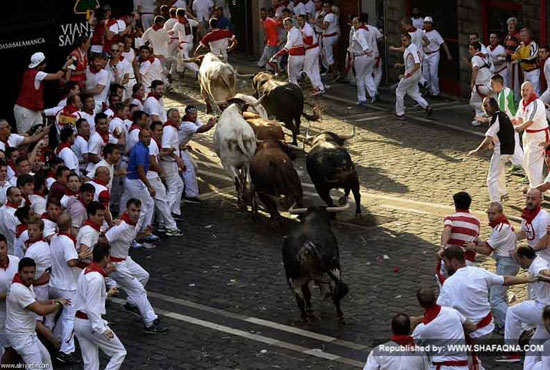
265	129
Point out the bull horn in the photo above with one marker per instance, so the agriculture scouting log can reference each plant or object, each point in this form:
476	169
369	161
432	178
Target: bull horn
338	209
308	138
246	75
258	102
191	60
347	137
296	211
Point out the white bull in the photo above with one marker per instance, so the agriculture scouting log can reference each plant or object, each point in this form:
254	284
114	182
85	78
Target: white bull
218	81
235	144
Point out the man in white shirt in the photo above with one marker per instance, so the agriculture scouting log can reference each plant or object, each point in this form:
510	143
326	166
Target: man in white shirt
183	30
219	41
8	221
128	274
529	311
9	140
534	223
90	328
171	162
295	48
154	104
531	118
158	38
473	38
416	19
76	205
399	353
8	269
173	44
98	140
80	145
191	125
97	81
497	57
65	152
88	235
64	259
480	82
430	63
88	110
202	9
311	58
408	85
329	25
544	60
502	244
150	68
22	307
147	9
363	60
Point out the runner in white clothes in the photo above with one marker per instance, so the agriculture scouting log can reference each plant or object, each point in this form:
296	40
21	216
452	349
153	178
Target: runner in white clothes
154	104
531	118
150	68
88	235
529	311
430	63
22	308
363	61
171	162
97	81
190	126
8	269
130	276
441	323
90	329
183	30
329	26
533	224
147	9
544	60
480	82
311	58
219	41
408	85
294	47
497	57
64	258
158	38
154	175
65	152
173	44
8	221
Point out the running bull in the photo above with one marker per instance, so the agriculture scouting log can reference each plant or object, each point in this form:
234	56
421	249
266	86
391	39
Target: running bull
310	253
283	100
274	178
217	80
330	167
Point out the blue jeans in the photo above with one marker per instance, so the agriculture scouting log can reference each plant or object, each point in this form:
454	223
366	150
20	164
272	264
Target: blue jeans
497	293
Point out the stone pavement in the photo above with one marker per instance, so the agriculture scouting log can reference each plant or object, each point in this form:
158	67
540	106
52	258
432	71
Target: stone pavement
222	289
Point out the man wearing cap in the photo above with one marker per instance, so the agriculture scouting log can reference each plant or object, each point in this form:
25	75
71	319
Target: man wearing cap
430	63
30	102
191	125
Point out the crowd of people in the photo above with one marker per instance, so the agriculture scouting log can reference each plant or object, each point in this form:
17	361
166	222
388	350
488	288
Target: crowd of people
103	171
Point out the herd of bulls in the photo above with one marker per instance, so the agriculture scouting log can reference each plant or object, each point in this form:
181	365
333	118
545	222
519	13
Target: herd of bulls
252	148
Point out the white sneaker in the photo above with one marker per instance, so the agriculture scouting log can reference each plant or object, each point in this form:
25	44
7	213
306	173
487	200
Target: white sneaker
476	123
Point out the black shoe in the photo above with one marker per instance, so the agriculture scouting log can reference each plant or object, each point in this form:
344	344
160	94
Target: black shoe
68	359
131	308
178	217
192	200
429	111
156	328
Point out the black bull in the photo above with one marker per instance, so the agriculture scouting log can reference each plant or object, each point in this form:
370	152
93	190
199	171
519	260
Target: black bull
310	253
329	166
273	175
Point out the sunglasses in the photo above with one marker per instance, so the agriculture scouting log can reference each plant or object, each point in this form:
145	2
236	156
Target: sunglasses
115	50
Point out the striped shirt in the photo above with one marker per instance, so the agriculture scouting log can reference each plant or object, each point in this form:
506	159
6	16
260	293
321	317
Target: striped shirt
464	229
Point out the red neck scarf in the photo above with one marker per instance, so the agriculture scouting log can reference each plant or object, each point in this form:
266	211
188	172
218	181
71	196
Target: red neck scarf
532	98
168	123
20	230
119	117
27	200
480	54
431	313
138	98
126	218
29	242
500	220
10	162
156	141
134	127
62	146
152	95
95	267
12	205
104	135
92	224
363	27
40	193
84	137
46	216
412	29
183	20
70	193
403	340
529	215
98	181
5	266
17	279
68	236
95	71
156	27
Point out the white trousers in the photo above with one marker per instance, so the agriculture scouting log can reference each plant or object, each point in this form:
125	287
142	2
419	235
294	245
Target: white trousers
90	343
408	86
496	179
65	324
31	350
162	206
137	189
328	50
311	67
43	294
533	156
132	278
545	97
476	98
183	53
25	119
295	66
172	60
430	70
533	77
377	72
517	158
174	185
364	65
189	175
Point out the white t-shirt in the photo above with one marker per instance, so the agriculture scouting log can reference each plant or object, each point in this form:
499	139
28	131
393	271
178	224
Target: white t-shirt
417	22
120	237
170	140
80	147
359	42
90	298
70	159
536	230
95	146
123	68
76	209
40	252
147	6
332	24
90	118
99	78
417	37
539	291
187	130
50	228
391	356
467	291
310	7
103	163
373	35
158	39
154	106
14	140
132	139
153	151
535	112
502	240
62	251
180	31
202	9
484	73
435	40
18	319
150	71
8	224
88	236
498	61
411	57
6	277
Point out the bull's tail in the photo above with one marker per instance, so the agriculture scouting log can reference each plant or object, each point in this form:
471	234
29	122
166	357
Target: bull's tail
246	148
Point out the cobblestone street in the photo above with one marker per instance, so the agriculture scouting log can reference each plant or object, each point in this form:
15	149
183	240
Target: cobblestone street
221	288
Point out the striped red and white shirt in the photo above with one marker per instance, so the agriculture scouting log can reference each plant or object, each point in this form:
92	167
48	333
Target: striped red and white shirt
464	229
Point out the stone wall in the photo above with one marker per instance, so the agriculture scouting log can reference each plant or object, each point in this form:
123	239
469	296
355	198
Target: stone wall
469	20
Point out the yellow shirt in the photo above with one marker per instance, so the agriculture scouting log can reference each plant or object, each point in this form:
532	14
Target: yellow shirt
527	56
